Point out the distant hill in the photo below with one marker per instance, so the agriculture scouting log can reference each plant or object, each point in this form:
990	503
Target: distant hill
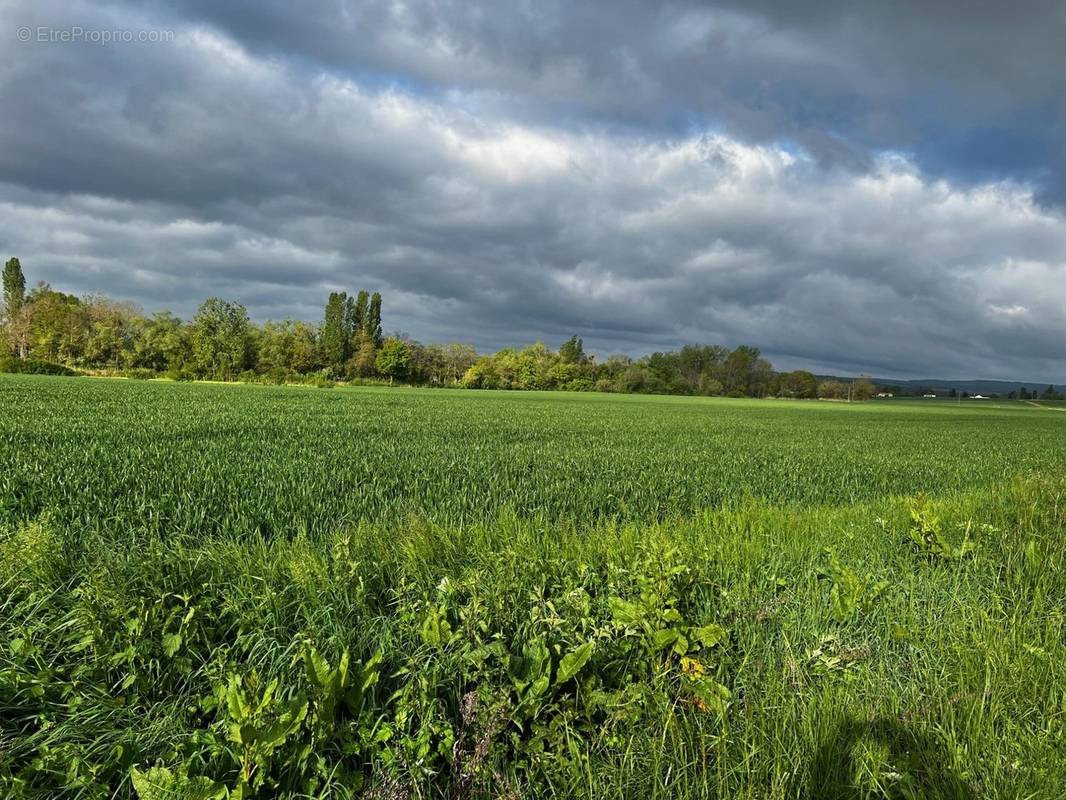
940	386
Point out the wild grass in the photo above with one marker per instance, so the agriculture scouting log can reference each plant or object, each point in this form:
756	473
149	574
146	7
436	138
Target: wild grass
758	647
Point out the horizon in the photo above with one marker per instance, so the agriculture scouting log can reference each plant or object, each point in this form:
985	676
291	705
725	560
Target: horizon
640	177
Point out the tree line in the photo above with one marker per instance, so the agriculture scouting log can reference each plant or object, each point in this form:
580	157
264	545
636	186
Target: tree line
44	329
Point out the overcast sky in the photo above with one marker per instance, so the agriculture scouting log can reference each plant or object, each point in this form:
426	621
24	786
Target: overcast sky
851	186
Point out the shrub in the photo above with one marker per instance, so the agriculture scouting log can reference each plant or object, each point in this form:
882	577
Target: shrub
180	374
26	366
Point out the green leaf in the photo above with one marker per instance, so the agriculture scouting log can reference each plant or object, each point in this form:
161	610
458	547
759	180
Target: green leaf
664	637
681	645
171	644
235	702
436	630
160	783
572	662
624	612
317	668
709	635
712	695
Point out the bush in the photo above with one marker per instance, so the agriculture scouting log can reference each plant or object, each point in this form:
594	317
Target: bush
26	366
140	373
278	376
180	374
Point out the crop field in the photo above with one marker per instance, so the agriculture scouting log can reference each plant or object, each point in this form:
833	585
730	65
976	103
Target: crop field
204	459
212	591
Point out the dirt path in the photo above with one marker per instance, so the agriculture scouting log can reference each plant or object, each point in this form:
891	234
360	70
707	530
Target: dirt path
1043	408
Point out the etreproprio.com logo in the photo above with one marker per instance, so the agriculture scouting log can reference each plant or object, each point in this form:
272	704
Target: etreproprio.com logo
78	34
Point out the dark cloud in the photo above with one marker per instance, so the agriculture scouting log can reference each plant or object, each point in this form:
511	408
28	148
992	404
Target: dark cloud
642	177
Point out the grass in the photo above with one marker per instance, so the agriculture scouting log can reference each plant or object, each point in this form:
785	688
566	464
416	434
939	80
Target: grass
570	596
208	459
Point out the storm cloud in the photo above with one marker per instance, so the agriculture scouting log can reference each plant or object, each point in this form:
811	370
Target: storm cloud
847	188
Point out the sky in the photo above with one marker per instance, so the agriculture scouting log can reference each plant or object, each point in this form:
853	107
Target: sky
850	186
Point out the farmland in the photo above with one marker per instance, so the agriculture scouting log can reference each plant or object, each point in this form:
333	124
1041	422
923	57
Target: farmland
290	592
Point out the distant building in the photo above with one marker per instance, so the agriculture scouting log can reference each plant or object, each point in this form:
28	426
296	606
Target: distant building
885	394
979	397
928	395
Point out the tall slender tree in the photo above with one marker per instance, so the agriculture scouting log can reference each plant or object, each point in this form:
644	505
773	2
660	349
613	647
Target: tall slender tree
351	328
14	288
373	320
359	314
334	340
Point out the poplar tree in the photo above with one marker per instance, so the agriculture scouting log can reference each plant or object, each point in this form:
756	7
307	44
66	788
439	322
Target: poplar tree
373	320
359	316
333	339
14	287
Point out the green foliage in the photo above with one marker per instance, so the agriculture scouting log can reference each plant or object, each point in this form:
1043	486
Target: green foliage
799	384
850	593
27	366
14	288
259	724
926	533
334	334
394	359
160	783
221	339
572	351
358	320
372	321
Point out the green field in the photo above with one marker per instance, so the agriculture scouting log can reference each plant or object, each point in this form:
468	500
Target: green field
204	459
536	594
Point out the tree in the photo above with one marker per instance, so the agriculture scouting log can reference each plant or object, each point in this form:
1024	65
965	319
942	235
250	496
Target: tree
482	374
393	359
54	326
458	358
358	319
799	383
739	370
373	320
572	351
832	390
362	364
14	288
163	343
334	336
288	345
221	339
862	389
113	329
764	381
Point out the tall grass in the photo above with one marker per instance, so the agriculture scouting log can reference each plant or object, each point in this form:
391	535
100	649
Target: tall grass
949	684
